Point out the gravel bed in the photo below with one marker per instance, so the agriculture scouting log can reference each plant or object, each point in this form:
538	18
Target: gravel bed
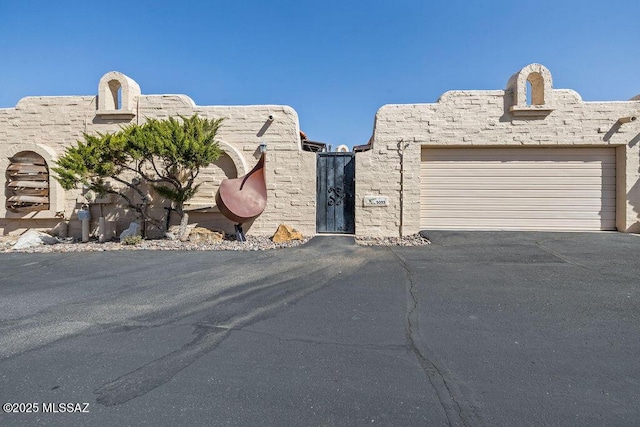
253	243
412	240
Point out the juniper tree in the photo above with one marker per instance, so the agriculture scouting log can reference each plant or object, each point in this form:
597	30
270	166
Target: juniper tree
96	163
167	155
173	153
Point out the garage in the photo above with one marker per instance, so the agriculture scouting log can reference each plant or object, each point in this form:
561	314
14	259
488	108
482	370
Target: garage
518	188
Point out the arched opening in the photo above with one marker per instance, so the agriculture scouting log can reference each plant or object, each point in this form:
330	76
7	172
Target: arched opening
532	91
27	183
115	102
535	89
117	95
210	178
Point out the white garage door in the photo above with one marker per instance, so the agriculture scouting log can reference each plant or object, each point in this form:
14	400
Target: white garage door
518	188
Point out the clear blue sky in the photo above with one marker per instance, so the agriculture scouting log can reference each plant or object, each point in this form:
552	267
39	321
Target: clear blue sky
335	62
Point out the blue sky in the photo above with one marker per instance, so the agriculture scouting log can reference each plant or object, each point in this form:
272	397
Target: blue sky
335	62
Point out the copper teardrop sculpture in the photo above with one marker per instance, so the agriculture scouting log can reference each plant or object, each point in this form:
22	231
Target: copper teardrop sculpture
244	198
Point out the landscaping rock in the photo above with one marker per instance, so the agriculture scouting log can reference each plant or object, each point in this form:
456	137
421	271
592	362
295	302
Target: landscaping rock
174	231
34	238
286	233
253	243
413	240
133	230
204	235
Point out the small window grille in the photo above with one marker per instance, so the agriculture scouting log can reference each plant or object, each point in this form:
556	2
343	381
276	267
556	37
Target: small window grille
27	179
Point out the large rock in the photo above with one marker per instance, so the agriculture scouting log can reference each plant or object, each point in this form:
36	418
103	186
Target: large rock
132	230
204	235
286	233
174	231
34	238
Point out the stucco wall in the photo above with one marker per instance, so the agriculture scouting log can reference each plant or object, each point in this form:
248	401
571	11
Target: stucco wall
490	118
553	117
48	125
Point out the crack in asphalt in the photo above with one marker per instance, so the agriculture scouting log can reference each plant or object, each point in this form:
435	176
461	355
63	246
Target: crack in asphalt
449	397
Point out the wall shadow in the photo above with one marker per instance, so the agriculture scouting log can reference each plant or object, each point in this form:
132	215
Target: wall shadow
634	194
265	126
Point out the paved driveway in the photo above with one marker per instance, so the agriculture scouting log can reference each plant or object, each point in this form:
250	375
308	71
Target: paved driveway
476	329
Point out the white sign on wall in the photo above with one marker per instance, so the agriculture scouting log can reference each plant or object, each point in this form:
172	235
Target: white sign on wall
376	201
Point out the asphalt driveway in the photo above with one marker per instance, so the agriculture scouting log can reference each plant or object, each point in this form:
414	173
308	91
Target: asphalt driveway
478	328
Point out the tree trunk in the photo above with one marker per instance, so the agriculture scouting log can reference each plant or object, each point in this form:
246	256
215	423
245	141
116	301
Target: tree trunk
183	231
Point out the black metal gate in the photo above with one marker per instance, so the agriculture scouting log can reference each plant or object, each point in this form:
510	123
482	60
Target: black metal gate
336	191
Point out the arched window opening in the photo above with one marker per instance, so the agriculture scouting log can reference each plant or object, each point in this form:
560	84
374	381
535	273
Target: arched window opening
116	95
532	92
535	89
27	183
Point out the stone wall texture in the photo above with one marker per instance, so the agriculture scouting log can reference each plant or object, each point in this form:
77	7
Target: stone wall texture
495	118
391	169
47	125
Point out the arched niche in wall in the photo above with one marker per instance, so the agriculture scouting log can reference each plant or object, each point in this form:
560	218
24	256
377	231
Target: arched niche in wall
30	190
231	164
532	91
27	183
236	157
117	96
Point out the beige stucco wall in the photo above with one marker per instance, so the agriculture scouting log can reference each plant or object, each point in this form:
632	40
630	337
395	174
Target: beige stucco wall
490	118
47	125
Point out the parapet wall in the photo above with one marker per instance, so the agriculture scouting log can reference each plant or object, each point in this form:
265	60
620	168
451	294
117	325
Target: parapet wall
496	118
529	112
47	125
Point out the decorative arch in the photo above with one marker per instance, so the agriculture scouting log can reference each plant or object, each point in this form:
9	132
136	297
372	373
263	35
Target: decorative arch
230	165
27	188
54	189
237	157
117	95
540	101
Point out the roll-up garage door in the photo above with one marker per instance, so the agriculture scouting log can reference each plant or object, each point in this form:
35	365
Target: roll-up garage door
518	188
